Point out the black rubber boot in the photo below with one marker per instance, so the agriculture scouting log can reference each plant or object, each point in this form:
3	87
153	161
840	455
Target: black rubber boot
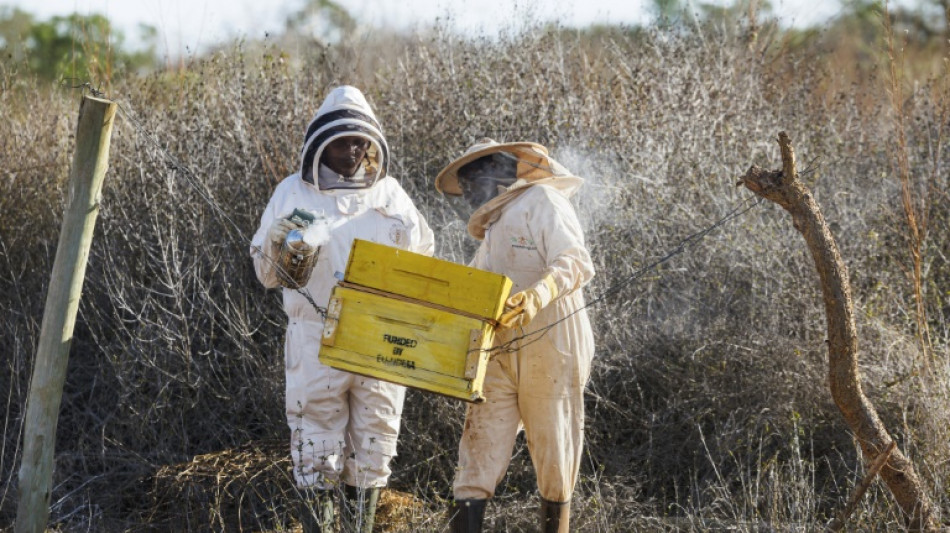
467	516
555	516
316	511
358	509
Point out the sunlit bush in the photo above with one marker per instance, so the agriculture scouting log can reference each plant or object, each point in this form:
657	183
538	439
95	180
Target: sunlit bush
708	402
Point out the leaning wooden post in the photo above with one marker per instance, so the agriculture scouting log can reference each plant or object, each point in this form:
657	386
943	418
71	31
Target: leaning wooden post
784	188
90	162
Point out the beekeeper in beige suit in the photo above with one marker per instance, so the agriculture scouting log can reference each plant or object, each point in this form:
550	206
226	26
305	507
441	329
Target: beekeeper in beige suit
536	379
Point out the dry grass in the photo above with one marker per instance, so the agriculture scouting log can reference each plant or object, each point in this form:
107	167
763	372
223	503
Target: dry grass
708	407
249	488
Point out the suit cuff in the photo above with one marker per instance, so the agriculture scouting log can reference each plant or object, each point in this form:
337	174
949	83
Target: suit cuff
546	290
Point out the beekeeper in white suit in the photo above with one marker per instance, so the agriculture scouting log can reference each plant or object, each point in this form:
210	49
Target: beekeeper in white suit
535	381
344	427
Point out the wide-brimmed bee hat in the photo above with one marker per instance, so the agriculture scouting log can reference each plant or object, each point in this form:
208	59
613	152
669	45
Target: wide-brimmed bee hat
533	163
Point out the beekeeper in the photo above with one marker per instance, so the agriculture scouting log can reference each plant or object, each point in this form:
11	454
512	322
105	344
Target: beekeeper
343	426
519	199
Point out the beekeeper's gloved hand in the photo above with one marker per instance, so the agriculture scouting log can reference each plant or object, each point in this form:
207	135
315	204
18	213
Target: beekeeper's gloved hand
278	233
521	307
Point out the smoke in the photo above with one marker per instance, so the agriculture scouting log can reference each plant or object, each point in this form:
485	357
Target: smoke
317	233
595	202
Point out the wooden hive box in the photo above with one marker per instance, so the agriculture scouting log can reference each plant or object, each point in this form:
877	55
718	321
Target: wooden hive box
414	320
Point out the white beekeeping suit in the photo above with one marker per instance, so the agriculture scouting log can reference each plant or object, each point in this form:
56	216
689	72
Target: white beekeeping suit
530	233
344	427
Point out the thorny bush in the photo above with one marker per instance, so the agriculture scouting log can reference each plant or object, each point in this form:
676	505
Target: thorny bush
708	402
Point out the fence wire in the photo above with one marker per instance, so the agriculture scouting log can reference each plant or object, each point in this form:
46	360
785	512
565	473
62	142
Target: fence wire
738	210
192	179
511	345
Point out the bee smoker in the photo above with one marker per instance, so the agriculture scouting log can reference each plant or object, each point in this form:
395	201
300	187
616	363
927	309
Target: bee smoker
297	257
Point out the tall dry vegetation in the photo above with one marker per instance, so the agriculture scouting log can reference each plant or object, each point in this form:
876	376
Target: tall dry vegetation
708	404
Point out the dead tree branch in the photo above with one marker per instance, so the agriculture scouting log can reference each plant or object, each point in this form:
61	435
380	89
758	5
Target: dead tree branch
784	188
839	522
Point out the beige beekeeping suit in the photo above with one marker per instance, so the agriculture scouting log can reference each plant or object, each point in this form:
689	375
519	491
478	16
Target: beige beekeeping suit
530	233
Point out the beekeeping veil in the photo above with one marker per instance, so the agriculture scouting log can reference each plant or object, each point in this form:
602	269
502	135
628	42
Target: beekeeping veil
344	113
534	167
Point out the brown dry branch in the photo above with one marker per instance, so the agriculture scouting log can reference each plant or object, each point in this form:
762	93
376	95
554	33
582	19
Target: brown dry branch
784	188
873	469
916	206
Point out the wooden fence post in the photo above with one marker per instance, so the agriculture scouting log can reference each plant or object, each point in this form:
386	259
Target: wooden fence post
90	161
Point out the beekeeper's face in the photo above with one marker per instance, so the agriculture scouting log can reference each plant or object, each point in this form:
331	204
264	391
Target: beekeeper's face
344	155
482	179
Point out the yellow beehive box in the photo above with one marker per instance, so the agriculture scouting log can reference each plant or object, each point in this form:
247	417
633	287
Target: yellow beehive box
437	282
384	330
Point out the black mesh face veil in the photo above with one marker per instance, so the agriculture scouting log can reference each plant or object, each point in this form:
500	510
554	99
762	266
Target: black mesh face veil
480	179
339	123
339	114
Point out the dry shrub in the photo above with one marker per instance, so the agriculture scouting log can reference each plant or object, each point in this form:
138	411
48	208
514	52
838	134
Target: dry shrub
249	488
708	404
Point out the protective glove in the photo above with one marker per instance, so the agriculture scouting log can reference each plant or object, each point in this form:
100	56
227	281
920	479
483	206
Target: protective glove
278	233
522	307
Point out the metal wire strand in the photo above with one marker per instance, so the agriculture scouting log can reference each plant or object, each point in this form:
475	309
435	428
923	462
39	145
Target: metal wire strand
740	208
192	179
509	346
205	194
